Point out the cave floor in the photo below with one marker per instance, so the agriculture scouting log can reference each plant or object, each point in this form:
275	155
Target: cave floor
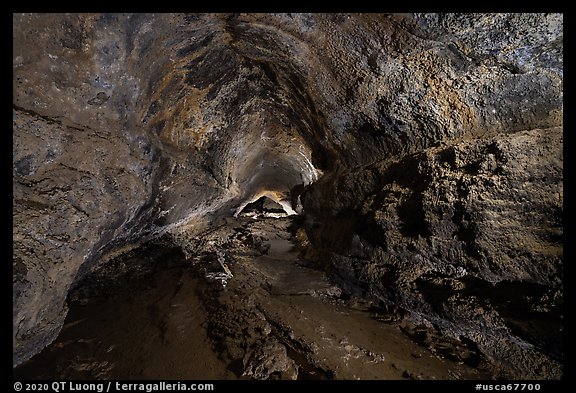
277	317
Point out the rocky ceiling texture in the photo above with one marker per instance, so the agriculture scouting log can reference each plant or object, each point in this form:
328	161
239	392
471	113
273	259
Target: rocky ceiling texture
424	150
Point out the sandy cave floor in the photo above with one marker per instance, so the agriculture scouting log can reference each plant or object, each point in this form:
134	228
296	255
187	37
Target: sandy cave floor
157	316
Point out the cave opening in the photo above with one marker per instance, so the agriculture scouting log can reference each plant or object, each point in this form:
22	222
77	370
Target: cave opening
264	206
278	198
242	196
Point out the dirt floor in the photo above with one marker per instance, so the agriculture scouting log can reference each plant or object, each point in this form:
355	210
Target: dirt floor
244	304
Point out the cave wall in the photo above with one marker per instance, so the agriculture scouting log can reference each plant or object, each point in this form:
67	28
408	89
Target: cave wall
460	224
90	181
132	126
465	238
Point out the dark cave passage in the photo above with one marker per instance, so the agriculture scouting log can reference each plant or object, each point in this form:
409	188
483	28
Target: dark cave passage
250	177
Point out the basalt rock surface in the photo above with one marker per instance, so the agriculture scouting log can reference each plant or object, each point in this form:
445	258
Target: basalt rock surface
440	133
466	238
